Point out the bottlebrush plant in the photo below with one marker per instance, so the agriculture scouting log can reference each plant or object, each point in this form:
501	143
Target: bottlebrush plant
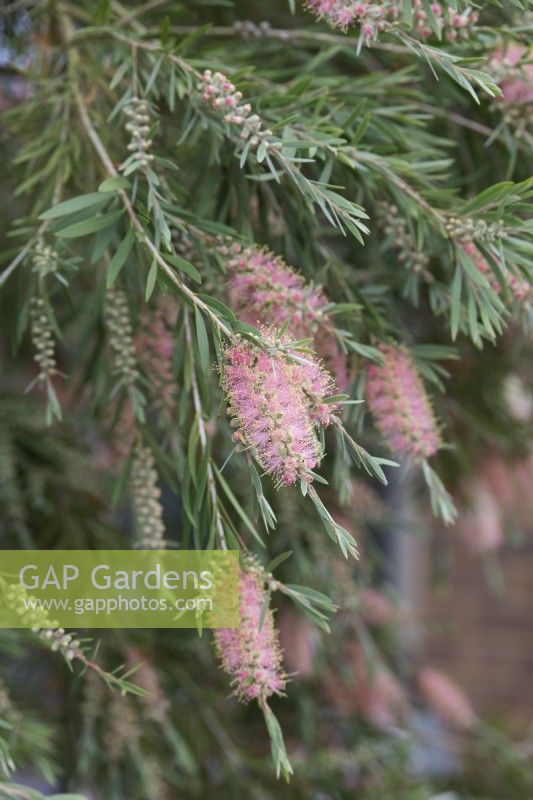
231	231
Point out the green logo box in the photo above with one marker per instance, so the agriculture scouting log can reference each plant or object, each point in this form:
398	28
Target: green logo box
119	589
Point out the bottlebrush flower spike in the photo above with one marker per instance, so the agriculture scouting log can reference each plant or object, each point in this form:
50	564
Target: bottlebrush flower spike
446	699
270	411
262	288
400	405
146	496
251	654
373	17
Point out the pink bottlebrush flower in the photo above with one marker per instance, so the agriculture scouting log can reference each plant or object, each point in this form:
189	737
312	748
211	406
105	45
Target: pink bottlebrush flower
372	17
445	698
513	72
383	700
262	288
154	345
521	290
400	405
270	412
251	654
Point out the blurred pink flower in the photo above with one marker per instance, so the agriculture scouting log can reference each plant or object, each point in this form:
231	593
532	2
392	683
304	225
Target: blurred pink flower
513	69
445	698
154	345
481	523
376	608
400	406
365	500
368	690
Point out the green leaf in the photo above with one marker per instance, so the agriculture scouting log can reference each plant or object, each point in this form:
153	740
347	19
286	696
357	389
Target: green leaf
279	560
456	302
217	305
90	225
203	341
184	266
277	745
151	280
114	184
91	200
119	258
237	506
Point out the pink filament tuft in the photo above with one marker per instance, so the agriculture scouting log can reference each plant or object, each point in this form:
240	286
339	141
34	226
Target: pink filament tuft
270	411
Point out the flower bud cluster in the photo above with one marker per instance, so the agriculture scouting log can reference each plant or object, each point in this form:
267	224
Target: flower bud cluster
262	288
520	119
403	241
61	642
138	126
468	228
117	317
34	618
45	259
146	500
253	30
223	97
43	340
251	654
452	24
